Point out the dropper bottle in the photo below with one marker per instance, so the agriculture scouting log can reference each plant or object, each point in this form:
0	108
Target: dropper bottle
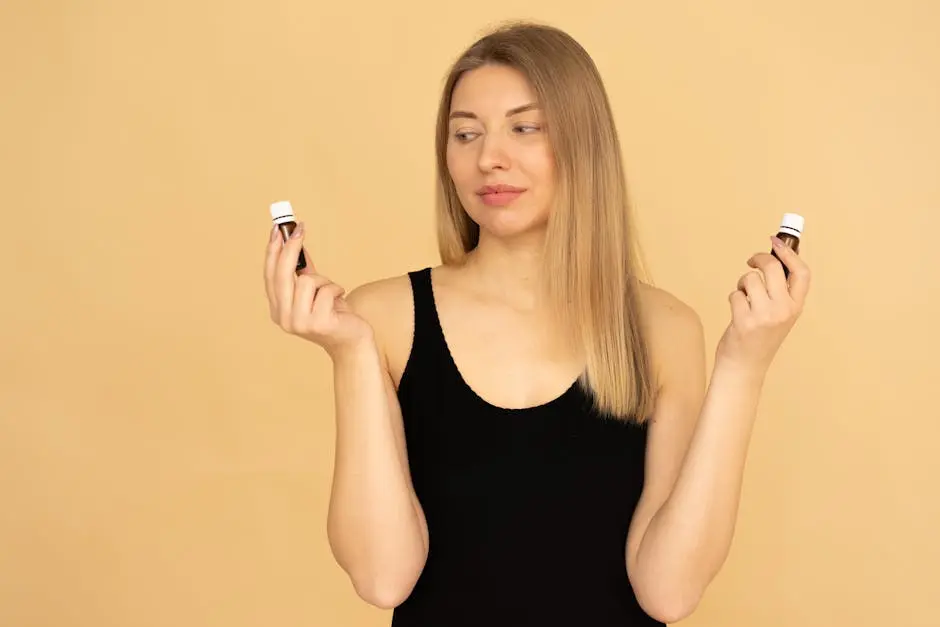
790	232
283	216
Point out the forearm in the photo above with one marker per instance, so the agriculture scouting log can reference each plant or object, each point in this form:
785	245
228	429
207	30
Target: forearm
375	525
689	537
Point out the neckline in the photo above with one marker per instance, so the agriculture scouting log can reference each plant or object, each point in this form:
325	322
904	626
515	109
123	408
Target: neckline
468	389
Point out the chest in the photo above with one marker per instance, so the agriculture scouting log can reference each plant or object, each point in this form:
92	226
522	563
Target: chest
556	462
510	359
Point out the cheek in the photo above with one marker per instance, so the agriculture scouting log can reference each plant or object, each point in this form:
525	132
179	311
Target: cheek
542	168
460	165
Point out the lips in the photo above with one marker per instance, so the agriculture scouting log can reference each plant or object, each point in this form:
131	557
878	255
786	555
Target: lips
499	195
500	189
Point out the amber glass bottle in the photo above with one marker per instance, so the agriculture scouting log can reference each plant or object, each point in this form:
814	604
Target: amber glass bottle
283	216
790	233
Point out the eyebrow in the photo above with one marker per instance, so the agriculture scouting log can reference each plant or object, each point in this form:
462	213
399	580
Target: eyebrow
473	116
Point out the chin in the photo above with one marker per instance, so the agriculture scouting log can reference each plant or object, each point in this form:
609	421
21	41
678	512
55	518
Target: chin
508	222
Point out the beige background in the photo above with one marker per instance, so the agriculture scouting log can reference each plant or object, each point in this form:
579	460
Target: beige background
165	451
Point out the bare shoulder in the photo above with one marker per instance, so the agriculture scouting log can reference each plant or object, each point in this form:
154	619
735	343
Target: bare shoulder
663	308
378	299
388	306
674	329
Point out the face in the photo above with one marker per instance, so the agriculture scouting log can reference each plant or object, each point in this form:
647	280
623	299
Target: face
498	152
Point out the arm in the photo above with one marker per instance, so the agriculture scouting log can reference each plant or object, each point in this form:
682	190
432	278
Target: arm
376	526
684	524
683	531
658	545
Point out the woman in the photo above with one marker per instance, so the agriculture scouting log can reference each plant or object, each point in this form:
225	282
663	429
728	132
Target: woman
523	433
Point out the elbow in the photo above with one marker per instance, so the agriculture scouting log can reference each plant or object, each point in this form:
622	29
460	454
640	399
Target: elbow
382	577
383	592
669	611
668	602
386	585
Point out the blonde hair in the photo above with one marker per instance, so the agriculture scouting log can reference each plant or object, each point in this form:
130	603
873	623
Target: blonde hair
592	260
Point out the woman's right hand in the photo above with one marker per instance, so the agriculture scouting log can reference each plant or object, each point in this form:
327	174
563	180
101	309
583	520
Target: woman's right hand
307	304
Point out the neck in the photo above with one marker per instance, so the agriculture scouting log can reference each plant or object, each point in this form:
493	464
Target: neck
509	270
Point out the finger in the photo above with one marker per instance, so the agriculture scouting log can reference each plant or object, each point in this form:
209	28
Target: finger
799	270
740	308
284	270
271	252
774	278
325	300
270	264
752	285
305	290
292	249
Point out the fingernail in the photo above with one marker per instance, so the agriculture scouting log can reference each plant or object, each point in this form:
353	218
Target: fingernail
776	242
274	233
298	232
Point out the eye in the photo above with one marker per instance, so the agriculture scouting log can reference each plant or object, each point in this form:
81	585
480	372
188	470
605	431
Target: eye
526	129
465	136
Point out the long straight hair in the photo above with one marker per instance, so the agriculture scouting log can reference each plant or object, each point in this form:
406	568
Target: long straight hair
591	259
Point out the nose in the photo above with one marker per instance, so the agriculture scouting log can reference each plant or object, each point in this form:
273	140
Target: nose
493	155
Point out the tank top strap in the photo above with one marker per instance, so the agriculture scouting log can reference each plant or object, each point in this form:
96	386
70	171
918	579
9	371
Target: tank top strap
428	343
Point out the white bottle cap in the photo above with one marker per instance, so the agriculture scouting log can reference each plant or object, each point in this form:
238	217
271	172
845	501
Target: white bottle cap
792	223
281	211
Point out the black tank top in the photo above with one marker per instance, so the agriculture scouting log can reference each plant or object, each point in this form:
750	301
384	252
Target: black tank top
527	509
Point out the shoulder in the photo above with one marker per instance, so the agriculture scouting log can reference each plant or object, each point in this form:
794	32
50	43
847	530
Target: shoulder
664	308
377	299
387	304
674	331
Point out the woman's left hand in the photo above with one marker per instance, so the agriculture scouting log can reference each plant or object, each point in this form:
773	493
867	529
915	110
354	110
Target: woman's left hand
764	308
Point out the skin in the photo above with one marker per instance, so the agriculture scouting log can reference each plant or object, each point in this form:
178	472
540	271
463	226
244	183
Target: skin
683	526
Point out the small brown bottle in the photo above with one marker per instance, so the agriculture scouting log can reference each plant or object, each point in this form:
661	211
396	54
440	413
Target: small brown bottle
283	216
790	232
